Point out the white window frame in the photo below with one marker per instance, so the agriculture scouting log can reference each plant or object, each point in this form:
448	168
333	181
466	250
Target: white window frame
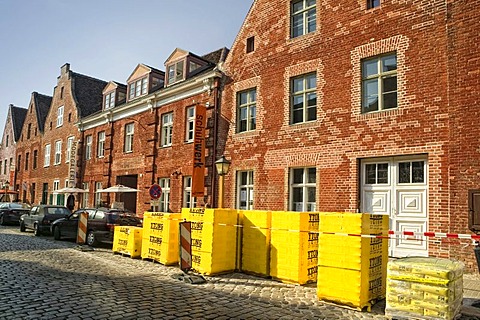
128	143
56	186
379	78
190	124
138	88
58	152
46	160
98	195
304	94
250	106
303	205
101	144
167	129
60	112
305	15
245	191
175	73
188	200
68	151
165	197
88	147
85	195
110	100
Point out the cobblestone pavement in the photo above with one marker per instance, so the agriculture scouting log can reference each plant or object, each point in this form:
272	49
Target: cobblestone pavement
45	279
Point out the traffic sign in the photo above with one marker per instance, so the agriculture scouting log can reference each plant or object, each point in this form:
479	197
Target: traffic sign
155	191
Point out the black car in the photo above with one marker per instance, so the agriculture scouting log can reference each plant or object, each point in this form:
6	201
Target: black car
40	217
100	224
10	212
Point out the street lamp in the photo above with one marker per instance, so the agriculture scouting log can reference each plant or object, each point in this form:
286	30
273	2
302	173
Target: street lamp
222	165
6	185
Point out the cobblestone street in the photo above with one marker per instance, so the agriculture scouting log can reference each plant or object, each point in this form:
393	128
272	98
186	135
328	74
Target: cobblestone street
46	279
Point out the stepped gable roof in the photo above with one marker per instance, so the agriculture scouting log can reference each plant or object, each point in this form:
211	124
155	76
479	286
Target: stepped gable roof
18	115
42	105
87	93
217	56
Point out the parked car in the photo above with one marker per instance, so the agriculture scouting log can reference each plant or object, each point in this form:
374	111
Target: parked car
40	217
100	224
10	212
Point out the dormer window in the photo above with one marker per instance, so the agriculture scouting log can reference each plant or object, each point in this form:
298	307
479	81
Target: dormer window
176	72
110	100
138	88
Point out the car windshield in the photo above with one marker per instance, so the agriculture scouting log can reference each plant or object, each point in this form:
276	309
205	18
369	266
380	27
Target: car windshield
19	206
115	217
57	211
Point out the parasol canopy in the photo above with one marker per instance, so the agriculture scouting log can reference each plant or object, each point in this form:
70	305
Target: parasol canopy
119	188
70	190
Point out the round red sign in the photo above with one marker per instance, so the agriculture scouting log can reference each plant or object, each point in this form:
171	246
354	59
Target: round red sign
155	191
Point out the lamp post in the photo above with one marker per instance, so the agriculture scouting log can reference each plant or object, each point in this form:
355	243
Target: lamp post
6	185
222	165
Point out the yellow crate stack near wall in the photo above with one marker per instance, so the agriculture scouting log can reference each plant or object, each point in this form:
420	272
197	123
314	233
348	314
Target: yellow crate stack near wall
424	288
160	237
352	268
294	246
127	240
214	239
256	236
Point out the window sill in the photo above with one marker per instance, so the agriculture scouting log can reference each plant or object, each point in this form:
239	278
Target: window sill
378	114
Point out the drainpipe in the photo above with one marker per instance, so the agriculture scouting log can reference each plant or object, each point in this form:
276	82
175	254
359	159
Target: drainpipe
216	115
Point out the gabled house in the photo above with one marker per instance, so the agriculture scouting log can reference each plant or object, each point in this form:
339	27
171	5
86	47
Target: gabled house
11	135
30	147
361	106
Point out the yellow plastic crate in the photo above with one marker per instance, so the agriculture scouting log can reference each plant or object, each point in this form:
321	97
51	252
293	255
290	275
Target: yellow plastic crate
294	256
256	235
128	240
352	288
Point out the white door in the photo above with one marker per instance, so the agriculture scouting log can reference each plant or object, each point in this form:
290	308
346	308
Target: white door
398	187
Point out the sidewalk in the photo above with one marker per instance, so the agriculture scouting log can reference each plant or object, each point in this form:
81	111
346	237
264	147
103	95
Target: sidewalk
471	295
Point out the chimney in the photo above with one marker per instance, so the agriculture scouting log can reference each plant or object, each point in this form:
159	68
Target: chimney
65	68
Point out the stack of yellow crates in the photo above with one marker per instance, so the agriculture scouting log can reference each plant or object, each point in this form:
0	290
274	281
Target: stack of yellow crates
294	246
424	288
352	267
127	240
214	239
256	236
160	237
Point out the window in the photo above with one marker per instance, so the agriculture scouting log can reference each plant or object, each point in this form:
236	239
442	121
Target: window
175	72
46	162
32	192
247	110
57	198
60	116
85	195
250	44
68	154
304	17
304	98
29	130
167	129
58	152
19	161
101	144
35	159
61	93
303	189
245	190
128	146
373	4
376	173
5	167
6	144
110	100
88	147
138	88
379	83
193	66
188	200
411	172
27	159
98	195
190	124
165	197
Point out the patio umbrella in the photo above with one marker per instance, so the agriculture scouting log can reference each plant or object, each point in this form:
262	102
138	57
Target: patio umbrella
119	188
70	190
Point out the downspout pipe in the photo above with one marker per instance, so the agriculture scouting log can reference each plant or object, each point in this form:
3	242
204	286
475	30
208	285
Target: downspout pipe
216	115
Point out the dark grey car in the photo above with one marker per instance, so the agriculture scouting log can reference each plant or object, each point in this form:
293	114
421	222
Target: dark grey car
10	212
40	217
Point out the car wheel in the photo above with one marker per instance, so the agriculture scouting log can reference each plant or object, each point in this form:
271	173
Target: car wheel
36	231
2	220
91	240
22	226
56	233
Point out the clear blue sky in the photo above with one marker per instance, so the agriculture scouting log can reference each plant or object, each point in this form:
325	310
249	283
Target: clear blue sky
104	39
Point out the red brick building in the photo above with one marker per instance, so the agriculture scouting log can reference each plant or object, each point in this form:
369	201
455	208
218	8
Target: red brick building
144	133
363	106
